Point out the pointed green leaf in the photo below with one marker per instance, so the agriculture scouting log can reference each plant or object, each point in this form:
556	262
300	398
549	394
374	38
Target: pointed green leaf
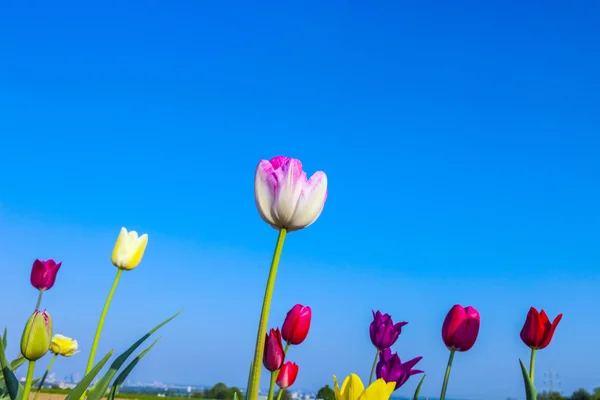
4	339
98	391
123	375
530	391
81	387
12	384
418	390
235	397
14	364
248	389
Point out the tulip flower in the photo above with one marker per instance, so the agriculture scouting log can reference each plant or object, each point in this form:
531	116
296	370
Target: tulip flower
288	202
127	254
537	333
35	343
43	276
64	346
353	389
285	199
274	354
459	332
287	375
384	334
296	325
129	249
460	328
391	369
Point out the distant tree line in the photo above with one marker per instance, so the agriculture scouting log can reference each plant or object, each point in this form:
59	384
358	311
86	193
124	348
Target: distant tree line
580	394
221	392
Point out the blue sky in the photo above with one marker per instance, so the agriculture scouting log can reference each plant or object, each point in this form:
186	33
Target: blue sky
460	142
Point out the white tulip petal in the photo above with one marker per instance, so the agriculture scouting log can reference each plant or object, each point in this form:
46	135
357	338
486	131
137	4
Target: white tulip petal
311	202
290	179
264	192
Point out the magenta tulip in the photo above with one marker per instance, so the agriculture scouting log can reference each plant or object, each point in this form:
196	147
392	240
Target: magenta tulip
296	325
287	375
273	354
43	274
461	328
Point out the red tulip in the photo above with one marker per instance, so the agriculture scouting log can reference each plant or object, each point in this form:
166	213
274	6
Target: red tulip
461	328
273	354
43	274
287	375
537	331
296	325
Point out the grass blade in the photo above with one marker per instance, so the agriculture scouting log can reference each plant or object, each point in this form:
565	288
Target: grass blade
15	390
418	390
79	390
530	391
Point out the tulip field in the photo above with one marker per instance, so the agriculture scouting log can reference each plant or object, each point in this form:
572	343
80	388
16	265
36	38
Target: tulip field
288	201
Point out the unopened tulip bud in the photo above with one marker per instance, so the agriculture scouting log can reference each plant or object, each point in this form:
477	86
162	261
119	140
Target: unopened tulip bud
461	328
37	336
129	249
274	354
287	375
296	325
43	274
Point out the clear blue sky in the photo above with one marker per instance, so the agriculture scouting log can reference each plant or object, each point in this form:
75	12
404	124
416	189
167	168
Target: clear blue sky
461	143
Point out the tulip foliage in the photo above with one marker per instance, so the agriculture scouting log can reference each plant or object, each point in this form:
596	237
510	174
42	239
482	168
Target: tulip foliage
37	339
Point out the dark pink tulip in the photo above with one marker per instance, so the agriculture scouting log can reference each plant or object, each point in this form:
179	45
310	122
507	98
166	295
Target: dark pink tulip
287	375
43	274
383	331
296	325
273	354
461	328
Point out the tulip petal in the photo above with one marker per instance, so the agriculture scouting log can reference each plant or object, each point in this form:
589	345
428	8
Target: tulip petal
264	192
549	332
311	201
290	182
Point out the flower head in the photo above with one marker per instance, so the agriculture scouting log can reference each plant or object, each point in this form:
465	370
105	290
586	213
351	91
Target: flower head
353	389
391	369
43	274
284	197
461	328
273	354
296	325
37	336
287	375
129	249
383	331
64	346
537	331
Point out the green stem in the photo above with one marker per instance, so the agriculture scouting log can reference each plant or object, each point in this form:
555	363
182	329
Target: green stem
280	393
39	300
44	377
264	319
272	385
373	367
532	365
447	376
90	363
27	388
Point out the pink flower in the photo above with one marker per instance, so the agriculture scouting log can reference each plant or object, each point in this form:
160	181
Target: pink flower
284	197
274	354
43	274
287	375
461	328
296	325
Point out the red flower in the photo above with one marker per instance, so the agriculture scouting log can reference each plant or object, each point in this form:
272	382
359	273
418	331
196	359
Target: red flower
287	375
273	354
296	325
43	274
537	331
461	328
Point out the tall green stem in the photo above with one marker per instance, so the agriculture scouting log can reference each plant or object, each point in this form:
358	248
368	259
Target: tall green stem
447	376
373	367
90	363
44	377
39	300
28	380
272	384
532	365
264	319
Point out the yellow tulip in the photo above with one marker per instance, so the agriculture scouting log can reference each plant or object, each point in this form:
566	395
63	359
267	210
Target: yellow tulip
64	346
129	249
353	389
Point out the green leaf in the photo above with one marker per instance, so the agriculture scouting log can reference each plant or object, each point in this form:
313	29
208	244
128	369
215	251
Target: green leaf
4	339
12	384
248	388
418	390
14	364
530	391
235	396
98	391
79	390
123	375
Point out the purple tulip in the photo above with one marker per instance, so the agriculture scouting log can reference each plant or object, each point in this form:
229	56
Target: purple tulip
391	369
383	331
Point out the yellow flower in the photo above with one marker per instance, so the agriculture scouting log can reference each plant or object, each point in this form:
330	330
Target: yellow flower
129	249
353	389
64	346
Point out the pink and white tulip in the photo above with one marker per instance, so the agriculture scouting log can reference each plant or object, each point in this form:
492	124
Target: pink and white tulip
284	197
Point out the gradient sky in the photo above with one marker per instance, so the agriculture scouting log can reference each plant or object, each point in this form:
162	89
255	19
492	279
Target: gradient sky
460	140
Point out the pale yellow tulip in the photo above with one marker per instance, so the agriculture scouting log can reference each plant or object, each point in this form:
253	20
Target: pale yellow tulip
64	346
129	249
